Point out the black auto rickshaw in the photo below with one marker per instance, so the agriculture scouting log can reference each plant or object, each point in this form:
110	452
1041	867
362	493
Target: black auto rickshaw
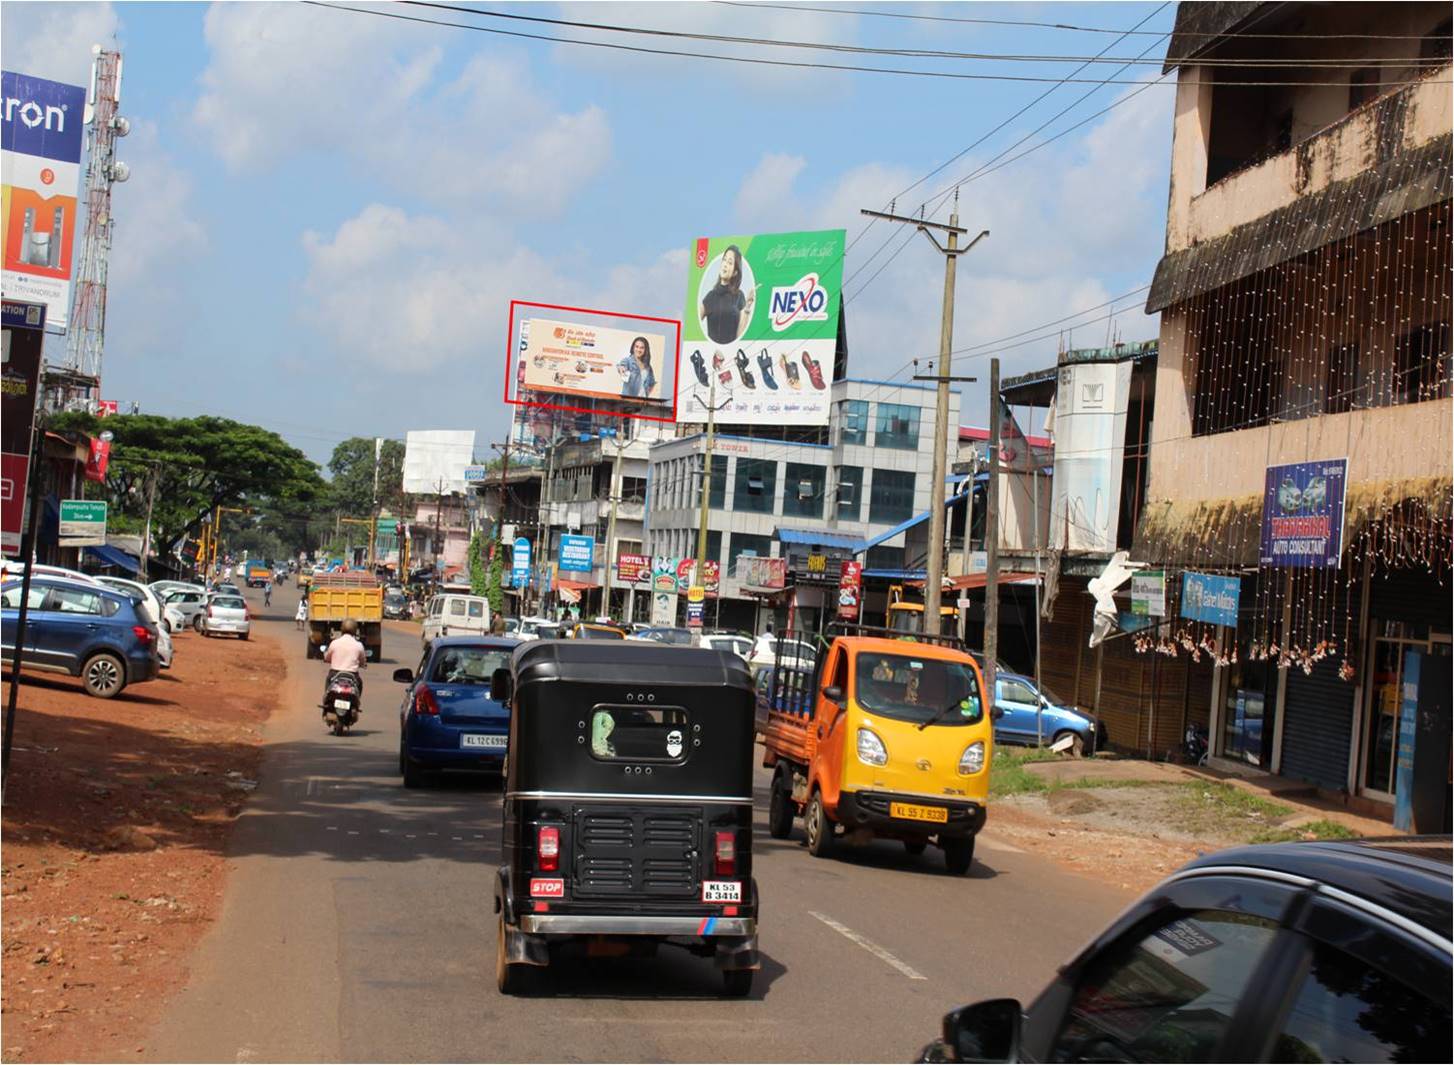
628	806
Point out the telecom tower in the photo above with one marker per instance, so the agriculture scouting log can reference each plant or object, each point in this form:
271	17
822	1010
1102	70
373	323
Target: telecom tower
77	384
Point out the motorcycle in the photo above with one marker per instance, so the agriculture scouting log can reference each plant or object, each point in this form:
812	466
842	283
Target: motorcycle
341	701
1195	744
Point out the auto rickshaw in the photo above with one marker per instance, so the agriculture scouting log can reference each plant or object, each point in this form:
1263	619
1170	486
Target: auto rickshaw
627	807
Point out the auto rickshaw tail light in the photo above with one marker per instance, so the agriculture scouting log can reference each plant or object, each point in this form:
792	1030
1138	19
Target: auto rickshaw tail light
724	854
425	703
547	848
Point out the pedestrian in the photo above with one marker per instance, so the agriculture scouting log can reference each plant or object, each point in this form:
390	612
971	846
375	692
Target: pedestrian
497	625
267	593
301	614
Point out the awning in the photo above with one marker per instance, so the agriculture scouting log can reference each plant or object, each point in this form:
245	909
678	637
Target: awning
115	557
563	583
968	581
818	538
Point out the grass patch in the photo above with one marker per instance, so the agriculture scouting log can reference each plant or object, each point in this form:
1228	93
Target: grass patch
1008	775
1227	800
1319	829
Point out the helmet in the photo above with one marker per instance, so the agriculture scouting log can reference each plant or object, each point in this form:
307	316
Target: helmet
349	627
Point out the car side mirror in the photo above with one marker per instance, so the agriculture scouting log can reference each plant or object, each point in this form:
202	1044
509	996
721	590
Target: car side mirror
985	1031
501	685
404	676
996	712
834	694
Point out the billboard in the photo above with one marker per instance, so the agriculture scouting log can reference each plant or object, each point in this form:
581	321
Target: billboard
1090	435
1302	514
40	152
626	370
577	553
760	332
23	337
435	460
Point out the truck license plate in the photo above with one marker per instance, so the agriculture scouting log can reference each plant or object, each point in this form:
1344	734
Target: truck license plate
914	812
721	891
475	740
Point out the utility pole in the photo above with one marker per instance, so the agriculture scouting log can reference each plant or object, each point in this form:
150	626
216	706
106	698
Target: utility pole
992	541
438	517
374	528
615	495
934	577
151	495
706	476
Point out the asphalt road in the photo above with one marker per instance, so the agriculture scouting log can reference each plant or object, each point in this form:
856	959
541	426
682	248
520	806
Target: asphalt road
358	926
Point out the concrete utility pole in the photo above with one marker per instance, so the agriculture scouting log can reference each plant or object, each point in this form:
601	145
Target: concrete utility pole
615	496
992	540
151	495
706	476
934	577
374	528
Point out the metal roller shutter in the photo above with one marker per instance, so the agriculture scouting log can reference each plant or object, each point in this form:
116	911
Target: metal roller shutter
1318	730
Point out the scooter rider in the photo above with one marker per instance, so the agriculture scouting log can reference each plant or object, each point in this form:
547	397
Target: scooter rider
346	654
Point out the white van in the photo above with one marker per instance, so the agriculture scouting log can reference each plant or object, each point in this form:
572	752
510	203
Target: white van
456	615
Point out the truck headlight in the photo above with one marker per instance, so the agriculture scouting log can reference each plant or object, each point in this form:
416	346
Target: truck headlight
871	749
972	760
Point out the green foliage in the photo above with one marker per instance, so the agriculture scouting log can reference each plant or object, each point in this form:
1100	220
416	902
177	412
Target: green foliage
495	585
351	487
1319	829
1008	775
478	574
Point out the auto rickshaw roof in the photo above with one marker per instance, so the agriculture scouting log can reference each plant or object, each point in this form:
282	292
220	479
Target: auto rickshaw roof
628	662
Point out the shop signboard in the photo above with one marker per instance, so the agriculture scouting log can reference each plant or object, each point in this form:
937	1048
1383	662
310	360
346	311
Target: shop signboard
476	474
83	522
577	553
1210	597
762	573
850	589
760	331
520	562
40	154
712	577
685	568
664	574
633	571
1408	721
1302	514
664	607
23	337
1148	593
696	600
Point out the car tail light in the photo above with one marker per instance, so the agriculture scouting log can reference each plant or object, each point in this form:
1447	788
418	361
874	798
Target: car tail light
724	854
209	611
547	848
425	703
143	634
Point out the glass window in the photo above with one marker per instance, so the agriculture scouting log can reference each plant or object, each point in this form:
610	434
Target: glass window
740	544
477	608
11	598
717	498
854	422
456	608
436	607
891	498
755	486
884	557
74	601
468	665
1168	996
897	427
917	689
1347	1011
803	490
1015	691
639	733
714	544
850	492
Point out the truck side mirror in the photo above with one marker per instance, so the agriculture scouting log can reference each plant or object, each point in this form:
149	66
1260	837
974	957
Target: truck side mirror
834	694
501	685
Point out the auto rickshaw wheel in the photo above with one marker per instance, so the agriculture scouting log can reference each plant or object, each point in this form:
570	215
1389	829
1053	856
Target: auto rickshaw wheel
737	983
780	807
915	846
958	854
820	829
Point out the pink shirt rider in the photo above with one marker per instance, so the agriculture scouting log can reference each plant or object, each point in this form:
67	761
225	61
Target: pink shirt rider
346	653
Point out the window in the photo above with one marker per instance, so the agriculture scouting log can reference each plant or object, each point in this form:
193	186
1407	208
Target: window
854	424
892	497
1362	87
884	557
717	498
1015	691
640	734
456	608
898	427
1168	996
633	489
908	688
714	544
477	608
803	490
11	598
850	492
755	486
436	607
1349	1011
1338	385
468	665
747	544
1423	364
75	601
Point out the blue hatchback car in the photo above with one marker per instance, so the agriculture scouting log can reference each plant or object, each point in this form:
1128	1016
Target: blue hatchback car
448	720
1020	700
85	630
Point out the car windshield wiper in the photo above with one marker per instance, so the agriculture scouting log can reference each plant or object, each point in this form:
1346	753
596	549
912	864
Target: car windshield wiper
958	704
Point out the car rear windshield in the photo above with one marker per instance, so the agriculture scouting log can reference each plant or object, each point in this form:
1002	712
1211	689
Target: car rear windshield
467	665
909	688
229	602
674	636
640	733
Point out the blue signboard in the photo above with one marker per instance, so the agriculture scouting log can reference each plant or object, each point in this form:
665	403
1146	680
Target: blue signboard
1408	721
520	563
42	118
1302	514
1210	597
577	553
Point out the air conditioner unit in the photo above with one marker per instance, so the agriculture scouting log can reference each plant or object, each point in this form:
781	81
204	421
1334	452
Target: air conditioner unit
805	489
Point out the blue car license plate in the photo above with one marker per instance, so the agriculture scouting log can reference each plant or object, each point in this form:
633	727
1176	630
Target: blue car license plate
476	740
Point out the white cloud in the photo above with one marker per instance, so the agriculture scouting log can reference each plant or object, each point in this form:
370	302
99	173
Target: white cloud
765	190
156	227
54	40
286	80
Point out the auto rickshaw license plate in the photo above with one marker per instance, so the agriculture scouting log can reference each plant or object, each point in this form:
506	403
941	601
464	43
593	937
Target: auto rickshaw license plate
914	812
721	891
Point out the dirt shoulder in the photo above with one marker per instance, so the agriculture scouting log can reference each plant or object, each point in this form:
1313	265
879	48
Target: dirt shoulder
115	820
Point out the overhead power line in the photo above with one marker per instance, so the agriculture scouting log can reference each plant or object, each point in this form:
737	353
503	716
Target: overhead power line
1077	29
801	64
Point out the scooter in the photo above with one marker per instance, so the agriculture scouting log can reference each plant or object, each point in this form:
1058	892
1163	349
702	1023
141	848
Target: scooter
1195	744
341	701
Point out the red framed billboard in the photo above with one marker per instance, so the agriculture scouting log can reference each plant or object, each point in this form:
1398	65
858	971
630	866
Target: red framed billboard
557	357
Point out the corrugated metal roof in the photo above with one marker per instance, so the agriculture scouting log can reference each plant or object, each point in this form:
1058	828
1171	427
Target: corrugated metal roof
818	538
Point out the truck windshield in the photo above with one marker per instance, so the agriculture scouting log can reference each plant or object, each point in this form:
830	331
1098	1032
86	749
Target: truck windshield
904	619
913	689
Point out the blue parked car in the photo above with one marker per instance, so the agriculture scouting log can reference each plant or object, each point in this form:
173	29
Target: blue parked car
85	630
448	720
1018	697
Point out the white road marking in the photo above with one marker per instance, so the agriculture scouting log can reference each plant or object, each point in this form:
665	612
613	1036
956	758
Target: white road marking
996	845
408	835
353	832
870	946
456	837
333	828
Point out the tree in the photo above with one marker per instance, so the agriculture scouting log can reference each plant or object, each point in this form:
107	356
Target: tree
495	582
201	464
351	489
477	570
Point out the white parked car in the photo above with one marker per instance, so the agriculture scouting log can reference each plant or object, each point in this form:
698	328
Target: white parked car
171	619
226	615
149	607
190	602
738	645
537	629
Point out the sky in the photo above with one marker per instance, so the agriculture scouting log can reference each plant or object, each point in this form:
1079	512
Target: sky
330	211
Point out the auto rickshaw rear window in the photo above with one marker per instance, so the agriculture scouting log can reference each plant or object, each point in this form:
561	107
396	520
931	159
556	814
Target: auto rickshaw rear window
640	734
909	688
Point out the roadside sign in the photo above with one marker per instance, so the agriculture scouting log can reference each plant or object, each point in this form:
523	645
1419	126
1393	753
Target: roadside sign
520	563
694	612
1302	514
577	553
1148	593
23	336
1210	597
696	593
83	523
475	474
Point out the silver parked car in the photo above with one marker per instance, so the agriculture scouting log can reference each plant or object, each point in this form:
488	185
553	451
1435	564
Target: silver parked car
226	615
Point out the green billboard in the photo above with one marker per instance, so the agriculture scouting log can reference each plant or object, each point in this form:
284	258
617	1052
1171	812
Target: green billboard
760	329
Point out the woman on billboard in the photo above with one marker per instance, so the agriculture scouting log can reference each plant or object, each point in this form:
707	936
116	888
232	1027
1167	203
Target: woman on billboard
726	309
639	380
